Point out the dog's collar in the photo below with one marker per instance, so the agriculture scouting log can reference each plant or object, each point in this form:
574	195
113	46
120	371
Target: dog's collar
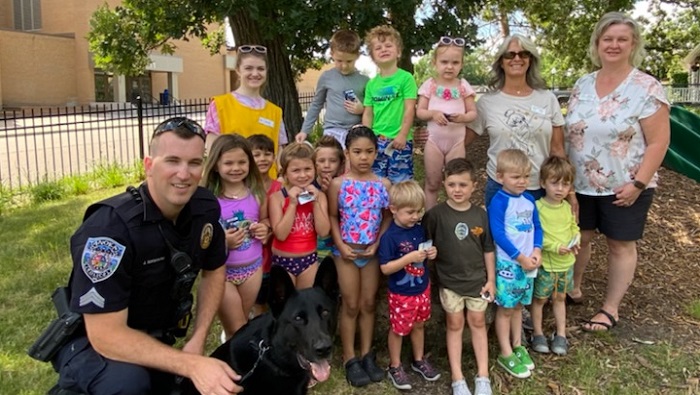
262	349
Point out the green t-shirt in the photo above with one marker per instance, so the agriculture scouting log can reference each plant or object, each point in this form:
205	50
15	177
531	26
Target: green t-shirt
386	96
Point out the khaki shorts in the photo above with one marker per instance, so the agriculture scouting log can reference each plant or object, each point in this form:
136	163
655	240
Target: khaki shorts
454	303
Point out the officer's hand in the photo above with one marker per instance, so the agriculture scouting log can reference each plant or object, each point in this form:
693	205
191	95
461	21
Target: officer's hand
213	376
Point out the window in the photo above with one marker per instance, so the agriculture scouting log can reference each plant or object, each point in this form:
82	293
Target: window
27	14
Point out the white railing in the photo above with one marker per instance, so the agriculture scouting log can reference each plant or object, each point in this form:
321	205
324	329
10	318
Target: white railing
683	95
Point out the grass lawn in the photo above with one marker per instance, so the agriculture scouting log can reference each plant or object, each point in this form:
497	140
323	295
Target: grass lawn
654	350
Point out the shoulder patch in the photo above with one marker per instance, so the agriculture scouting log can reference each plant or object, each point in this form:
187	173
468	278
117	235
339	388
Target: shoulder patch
101	258
206	236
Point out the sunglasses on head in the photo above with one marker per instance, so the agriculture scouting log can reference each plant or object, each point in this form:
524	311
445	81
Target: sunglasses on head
251	48
458	41
522	54
180	122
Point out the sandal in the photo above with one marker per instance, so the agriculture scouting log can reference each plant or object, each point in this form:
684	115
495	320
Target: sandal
612	324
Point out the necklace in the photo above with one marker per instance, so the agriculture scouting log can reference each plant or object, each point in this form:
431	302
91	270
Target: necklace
237	195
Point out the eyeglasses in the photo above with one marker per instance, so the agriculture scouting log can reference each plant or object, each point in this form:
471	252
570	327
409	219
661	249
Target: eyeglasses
524	55
458	41
251	48
180	122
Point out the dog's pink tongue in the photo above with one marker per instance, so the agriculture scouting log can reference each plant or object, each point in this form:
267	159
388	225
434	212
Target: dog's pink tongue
321	370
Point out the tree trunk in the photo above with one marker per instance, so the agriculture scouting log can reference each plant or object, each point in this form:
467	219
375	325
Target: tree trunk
280	88
503	21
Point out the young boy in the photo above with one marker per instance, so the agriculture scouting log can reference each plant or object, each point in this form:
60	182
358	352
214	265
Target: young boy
465	268
264	154
402	253
515	227
560	245
390	105
341	90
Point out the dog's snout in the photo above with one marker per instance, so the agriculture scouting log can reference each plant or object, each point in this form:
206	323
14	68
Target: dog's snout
323	350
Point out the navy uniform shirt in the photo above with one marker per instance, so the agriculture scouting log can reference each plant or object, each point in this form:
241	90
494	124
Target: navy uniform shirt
121	260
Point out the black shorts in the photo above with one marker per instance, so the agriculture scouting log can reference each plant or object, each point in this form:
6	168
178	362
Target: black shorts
616	222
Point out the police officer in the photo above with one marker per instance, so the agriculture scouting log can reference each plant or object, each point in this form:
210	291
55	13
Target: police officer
127	278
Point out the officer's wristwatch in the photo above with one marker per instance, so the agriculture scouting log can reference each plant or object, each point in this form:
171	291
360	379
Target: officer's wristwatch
639	185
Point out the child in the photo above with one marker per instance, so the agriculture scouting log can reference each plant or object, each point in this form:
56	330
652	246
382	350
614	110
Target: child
264	154
465	267
517	233
560	245
244	111
230	173
298	214
330	163
402	255
447	103
341	89
390	101
357	203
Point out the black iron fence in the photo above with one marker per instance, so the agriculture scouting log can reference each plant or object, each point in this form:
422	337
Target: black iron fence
48	144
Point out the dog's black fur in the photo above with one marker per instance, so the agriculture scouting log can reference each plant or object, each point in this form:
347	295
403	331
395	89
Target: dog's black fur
298	332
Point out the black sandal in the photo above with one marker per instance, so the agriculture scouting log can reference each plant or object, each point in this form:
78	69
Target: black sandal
612	324
356	376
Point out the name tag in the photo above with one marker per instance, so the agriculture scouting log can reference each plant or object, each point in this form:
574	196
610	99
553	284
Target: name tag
538	110
586	97
267	122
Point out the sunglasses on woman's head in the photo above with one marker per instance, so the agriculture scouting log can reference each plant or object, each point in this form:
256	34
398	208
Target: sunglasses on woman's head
522	54
251	48
177	122
458	41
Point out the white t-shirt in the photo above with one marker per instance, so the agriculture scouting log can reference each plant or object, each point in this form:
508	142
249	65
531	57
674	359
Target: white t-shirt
518	122
604	138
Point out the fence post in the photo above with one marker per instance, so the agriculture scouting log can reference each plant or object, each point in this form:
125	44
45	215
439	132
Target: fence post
139	115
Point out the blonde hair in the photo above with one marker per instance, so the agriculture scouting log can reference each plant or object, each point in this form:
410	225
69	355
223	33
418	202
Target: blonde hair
557	168
346	41
533	77
381	34
295	151
512	159
616	18
407	194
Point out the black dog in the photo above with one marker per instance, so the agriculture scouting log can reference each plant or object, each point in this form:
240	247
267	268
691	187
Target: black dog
280	351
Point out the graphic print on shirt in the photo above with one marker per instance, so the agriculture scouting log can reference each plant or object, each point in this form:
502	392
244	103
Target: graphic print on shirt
303	223
519	125
522	221
461	231
414	270
386	93
237	220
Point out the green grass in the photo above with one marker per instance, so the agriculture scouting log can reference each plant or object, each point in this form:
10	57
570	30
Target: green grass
693	309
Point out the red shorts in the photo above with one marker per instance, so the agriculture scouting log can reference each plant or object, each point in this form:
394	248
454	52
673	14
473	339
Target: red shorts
404	311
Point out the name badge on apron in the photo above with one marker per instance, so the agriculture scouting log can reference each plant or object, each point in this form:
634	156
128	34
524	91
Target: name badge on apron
267	122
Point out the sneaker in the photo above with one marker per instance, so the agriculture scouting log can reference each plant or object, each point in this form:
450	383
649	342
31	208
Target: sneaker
459	387
560	345
399	378
356	376
369	364
539	344
482	386
513	366
426	369
524	357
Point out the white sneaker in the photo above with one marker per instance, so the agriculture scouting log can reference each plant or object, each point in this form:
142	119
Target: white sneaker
459	387
482	386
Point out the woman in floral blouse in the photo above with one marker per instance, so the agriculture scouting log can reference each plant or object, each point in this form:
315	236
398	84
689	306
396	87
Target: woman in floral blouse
617	132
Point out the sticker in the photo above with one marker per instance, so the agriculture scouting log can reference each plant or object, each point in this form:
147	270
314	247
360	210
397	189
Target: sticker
94	297
101	257
538	110
425	245
205	238
461	231
267	122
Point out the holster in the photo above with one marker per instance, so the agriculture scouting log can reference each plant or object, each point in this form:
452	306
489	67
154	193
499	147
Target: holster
59	331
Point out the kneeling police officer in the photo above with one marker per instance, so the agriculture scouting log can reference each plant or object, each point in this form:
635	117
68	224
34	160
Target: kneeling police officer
135	259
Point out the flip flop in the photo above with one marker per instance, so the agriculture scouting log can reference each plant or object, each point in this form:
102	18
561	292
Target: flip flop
612	324
570	300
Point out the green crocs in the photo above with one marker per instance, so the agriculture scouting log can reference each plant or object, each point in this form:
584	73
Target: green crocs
524	357
513	366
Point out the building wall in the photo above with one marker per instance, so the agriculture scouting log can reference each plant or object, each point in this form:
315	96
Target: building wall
307	82
37	69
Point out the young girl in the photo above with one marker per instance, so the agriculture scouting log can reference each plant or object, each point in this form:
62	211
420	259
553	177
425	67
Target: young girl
447	103
298	213
231	174
358	203
264	154
330	163
244	111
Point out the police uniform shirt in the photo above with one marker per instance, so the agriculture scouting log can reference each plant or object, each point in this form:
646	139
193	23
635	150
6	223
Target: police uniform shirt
121	260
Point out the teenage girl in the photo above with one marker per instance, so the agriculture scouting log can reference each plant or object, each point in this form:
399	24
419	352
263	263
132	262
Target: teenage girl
244	111
231	174
298	214
447	103
330	163
358	203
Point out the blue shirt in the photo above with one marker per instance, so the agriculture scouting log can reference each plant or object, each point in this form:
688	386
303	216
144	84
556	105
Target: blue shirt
395	243
515	225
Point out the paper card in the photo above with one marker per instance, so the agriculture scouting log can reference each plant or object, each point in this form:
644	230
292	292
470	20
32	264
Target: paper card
425	245
305	197
576	239
389	150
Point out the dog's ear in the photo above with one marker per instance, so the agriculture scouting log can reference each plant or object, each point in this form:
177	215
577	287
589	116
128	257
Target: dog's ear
281	288
327	278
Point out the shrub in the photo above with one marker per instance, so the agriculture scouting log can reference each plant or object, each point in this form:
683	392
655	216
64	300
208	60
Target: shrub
110	176
47	191
77	185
